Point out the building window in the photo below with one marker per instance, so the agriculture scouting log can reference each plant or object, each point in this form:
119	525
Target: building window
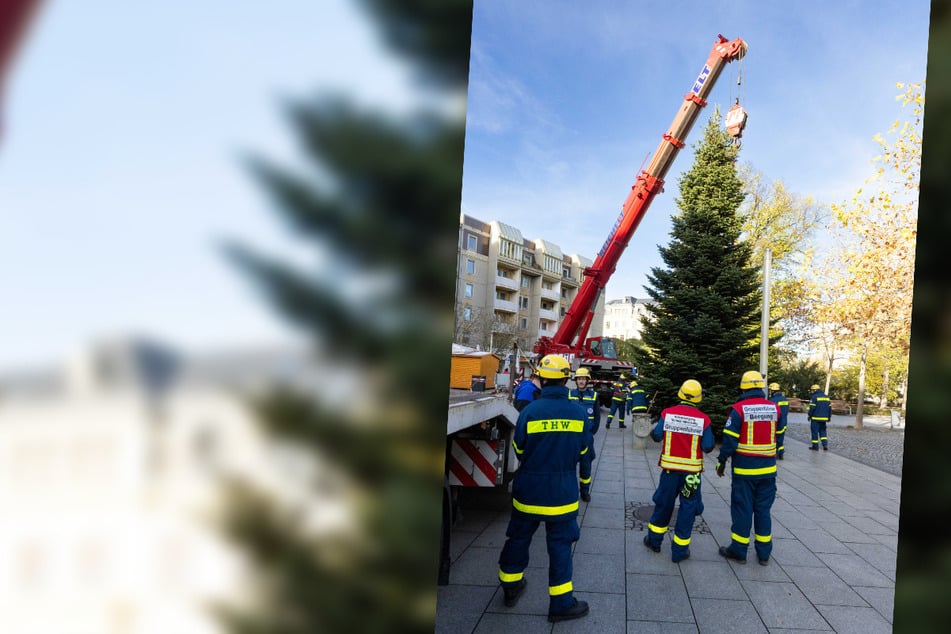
510	249
468	290
527	283
470	267
503	273
472	243
467	313
501	295
524	302
607	324
547	286
552	263
566	272
562	312
544	325
523	323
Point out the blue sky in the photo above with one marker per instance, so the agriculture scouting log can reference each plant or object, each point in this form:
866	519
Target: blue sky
119	164
568	99
123	126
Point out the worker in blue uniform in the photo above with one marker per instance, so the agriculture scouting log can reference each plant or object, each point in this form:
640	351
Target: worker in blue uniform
552	439
776	396
749	439
685	432
819	413
588	399
636	399
525	392
618	401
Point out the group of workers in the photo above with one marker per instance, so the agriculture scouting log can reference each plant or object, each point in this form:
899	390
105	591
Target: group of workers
554	441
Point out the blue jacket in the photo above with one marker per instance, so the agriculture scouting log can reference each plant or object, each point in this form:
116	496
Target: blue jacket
746	465
526	391
590	403
780	400
638	399
552	437
820	407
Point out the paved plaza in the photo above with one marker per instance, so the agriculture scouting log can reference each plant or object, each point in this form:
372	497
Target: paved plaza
835	532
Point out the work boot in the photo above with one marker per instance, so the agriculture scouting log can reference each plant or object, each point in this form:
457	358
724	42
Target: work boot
684	558
729	554
586	497
576	611
813	448
825	448
622	426
647	543
512	593
763	562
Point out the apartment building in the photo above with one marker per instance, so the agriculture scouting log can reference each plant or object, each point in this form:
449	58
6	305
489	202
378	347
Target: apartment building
622	317
509	288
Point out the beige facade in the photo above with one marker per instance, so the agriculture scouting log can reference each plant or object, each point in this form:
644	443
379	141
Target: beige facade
509	287
622	317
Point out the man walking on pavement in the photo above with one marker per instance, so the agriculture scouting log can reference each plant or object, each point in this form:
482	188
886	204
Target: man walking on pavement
637	399
588	399
749	438
685	431
820	410
776	396
618	401
551	438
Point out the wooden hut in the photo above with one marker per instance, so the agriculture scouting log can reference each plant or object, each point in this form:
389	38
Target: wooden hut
467	363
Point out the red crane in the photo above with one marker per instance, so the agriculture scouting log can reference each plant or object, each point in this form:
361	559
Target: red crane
571	338
14	17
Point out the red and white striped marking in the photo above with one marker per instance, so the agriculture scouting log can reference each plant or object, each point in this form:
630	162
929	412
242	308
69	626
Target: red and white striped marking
472	462
627	364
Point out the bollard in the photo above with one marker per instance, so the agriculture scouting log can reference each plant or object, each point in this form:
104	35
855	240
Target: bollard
896	419
642	429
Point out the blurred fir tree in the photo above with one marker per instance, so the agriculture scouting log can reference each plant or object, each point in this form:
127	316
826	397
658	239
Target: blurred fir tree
705	308
380	198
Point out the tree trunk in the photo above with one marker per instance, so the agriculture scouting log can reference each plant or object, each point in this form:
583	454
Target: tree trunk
829	373
861	400
883	400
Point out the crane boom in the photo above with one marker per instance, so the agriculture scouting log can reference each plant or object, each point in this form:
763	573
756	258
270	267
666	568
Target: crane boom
570	337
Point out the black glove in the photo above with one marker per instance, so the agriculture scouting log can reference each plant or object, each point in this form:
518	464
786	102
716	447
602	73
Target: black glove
721	467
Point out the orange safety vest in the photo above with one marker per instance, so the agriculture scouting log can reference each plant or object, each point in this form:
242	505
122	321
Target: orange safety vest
683	431
758	430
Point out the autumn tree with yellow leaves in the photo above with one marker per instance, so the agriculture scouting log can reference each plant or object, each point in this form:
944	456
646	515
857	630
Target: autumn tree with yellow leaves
878	227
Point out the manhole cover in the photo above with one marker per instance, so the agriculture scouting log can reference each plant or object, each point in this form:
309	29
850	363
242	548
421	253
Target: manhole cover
639	514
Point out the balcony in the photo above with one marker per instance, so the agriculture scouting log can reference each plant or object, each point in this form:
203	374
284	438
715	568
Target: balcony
506	283
552	294
567	279
547	314
505	306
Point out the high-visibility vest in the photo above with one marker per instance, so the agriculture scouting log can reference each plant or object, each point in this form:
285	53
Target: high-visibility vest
681	449
758	429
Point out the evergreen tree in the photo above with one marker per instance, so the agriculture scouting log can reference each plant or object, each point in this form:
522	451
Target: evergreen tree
705	314
381	196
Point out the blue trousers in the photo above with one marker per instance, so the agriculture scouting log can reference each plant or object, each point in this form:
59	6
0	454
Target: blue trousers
560	535
668	490
818	429
617	406
750	502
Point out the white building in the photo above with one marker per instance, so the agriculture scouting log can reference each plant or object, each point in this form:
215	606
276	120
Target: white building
109	478
622	317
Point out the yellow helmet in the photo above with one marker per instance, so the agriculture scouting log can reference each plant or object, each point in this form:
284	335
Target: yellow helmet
554	366
751	379
774	387
583	372
813	387
633	383
690	391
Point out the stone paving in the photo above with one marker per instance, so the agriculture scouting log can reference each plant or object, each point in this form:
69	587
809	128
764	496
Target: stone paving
877	445
835	532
